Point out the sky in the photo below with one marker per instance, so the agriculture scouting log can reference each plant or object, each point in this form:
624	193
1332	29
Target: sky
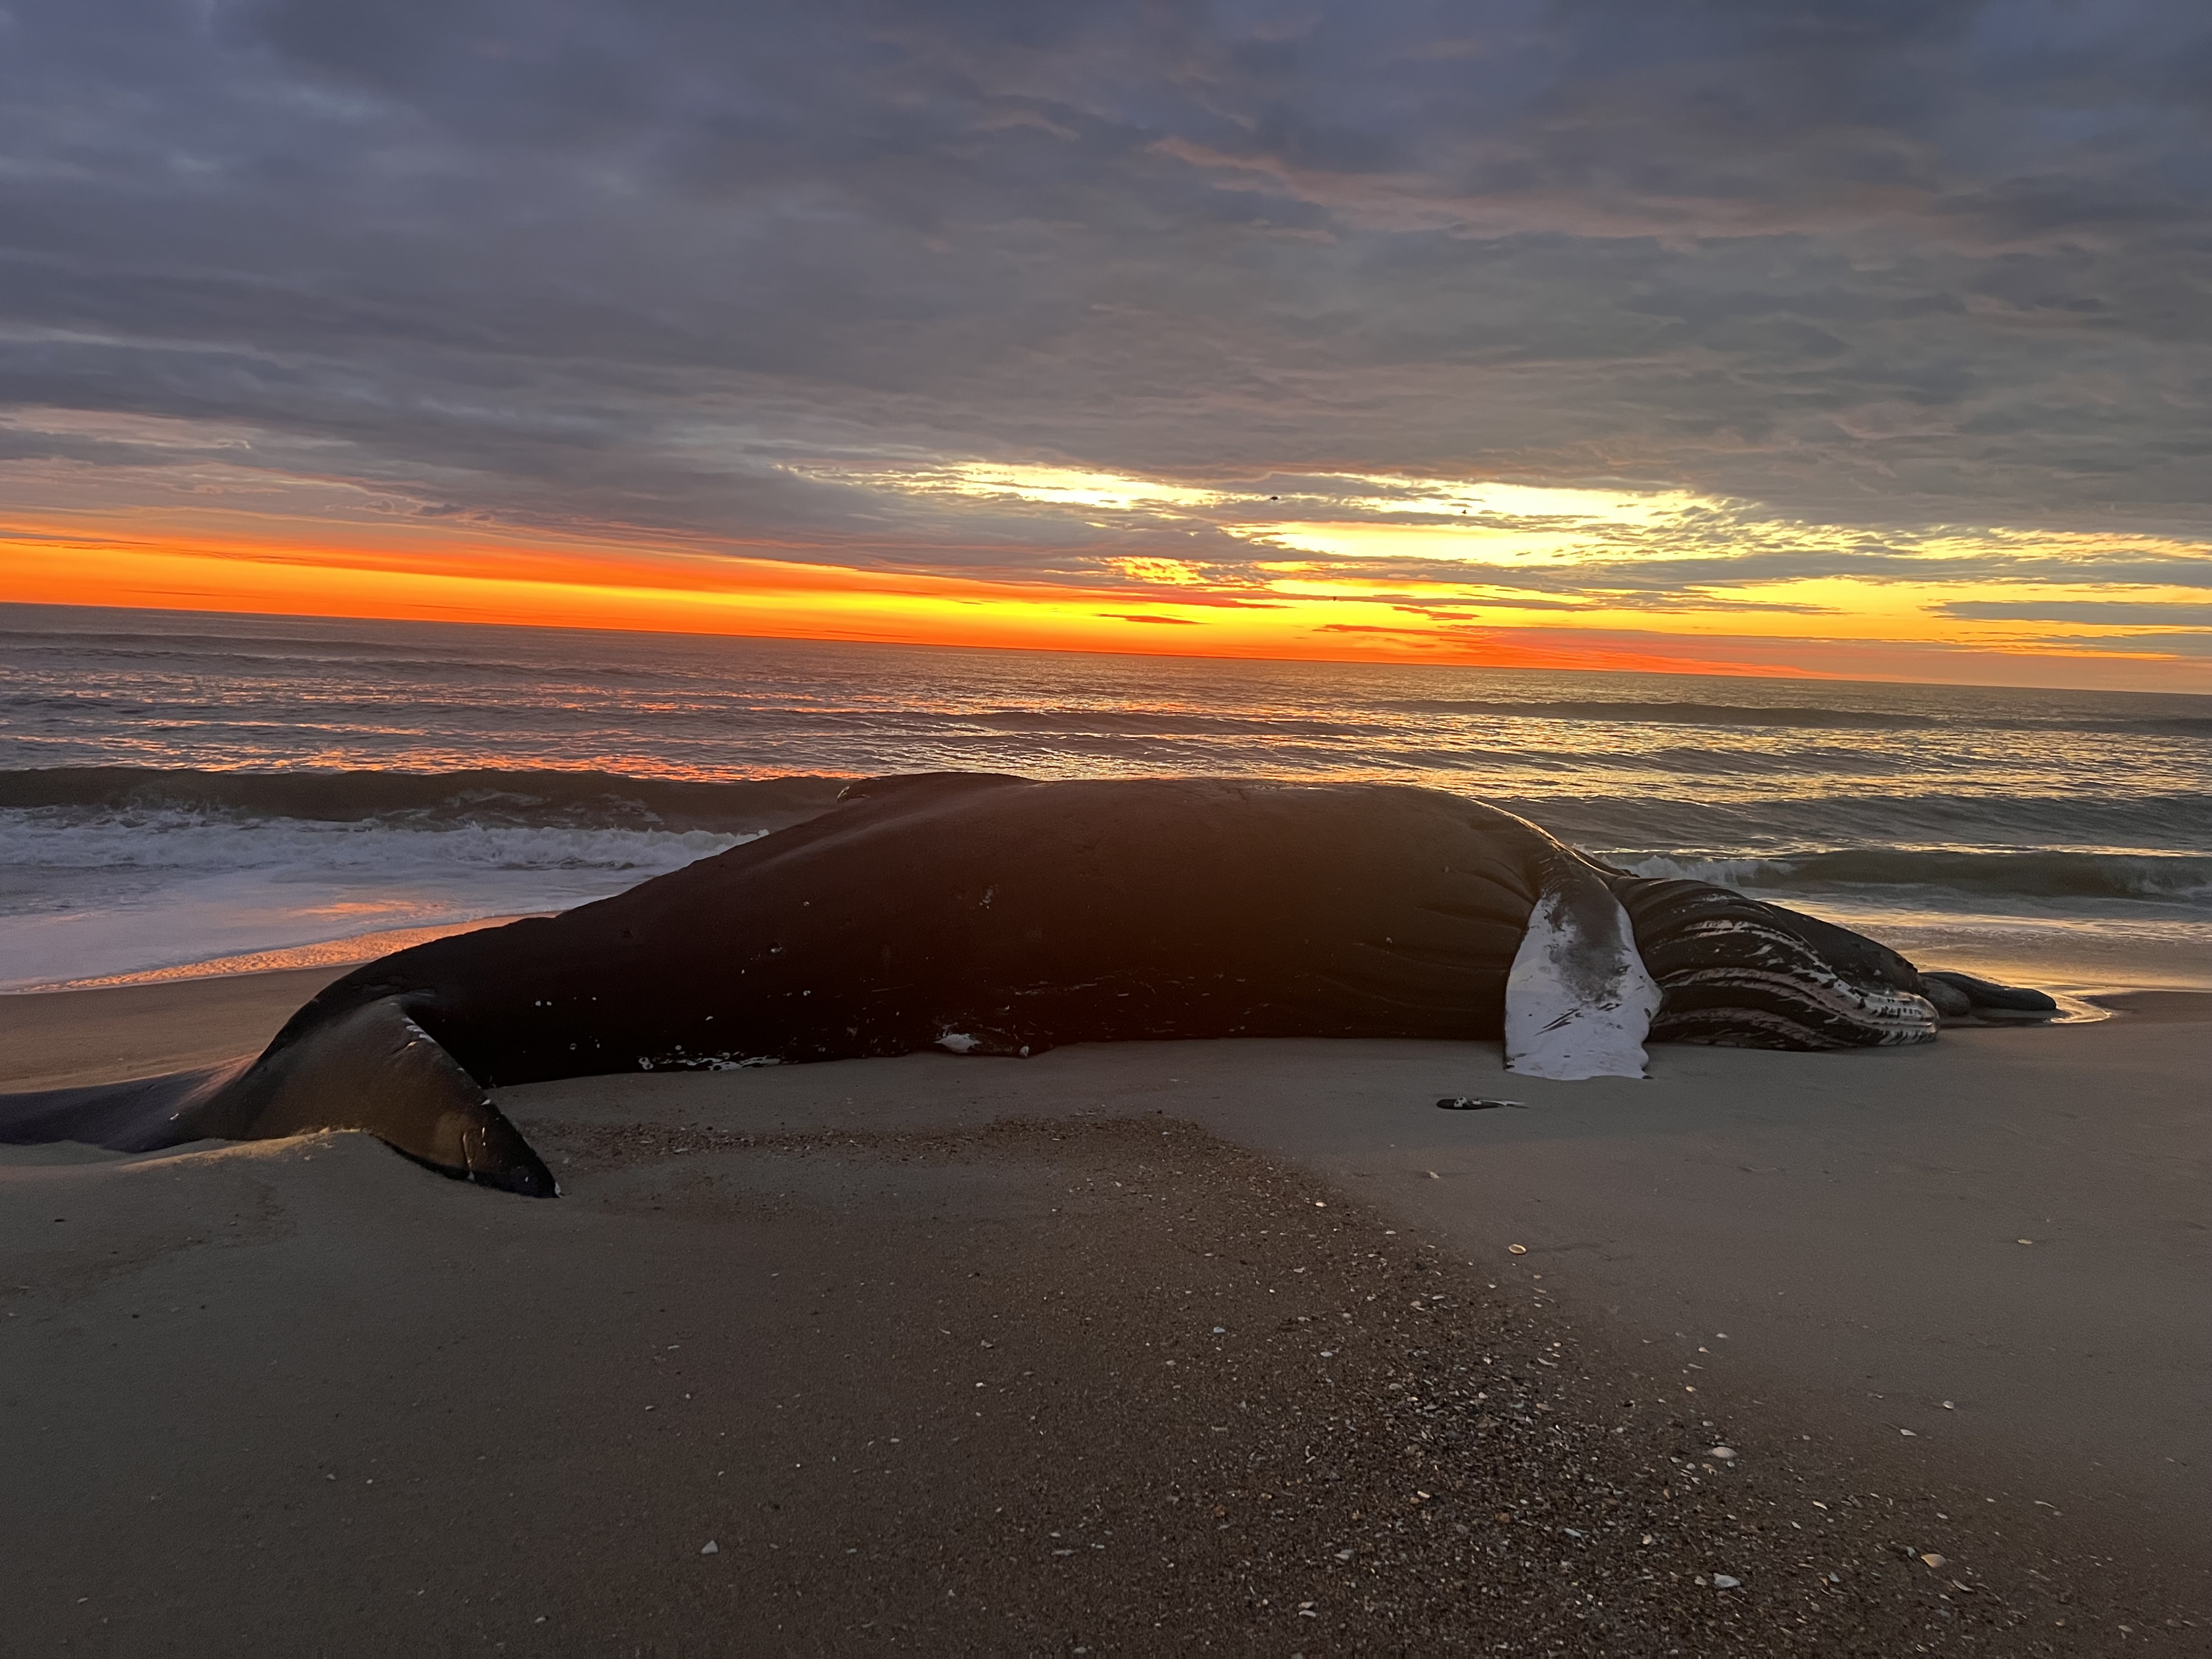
1857	338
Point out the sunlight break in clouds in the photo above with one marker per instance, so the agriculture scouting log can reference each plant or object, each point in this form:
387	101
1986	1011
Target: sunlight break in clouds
1396	542
1055	486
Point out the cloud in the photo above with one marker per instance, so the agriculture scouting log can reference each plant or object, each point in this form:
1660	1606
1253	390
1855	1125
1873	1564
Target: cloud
2112	613
855	282
2196	644
1375	628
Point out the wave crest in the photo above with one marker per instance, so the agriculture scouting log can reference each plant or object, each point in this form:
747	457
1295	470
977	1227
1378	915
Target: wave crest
487	798
2014	875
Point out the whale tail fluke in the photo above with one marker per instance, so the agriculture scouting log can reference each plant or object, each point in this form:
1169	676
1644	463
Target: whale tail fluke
140	1116
372	1069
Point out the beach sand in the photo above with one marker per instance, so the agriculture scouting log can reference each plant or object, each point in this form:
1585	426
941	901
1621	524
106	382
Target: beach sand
927	1349
52	1039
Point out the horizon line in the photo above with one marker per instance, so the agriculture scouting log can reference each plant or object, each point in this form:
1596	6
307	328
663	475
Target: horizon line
1759	672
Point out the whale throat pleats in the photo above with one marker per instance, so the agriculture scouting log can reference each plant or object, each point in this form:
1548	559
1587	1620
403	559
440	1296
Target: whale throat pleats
1739	973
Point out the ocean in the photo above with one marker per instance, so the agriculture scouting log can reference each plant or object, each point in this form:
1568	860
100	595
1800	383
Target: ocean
185	793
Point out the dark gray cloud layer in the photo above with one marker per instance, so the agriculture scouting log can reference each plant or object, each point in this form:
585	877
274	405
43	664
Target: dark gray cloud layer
1883	263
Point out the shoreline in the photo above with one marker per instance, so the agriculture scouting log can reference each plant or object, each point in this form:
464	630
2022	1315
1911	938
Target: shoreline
761	1313
2158	1006
348	951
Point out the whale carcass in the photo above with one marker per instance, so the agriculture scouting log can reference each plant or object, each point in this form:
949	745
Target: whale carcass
978	914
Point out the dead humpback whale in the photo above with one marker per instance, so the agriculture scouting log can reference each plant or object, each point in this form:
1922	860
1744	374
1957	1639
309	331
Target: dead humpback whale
987	914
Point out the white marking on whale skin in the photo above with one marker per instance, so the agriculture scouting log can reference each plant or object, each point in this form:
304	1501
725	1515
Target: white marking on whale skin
959	1043
1578	999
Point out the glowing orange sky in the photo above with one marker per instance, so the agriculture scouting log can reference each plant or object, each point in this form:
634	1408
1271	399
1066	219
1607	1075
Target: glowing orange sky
457	580
1312	607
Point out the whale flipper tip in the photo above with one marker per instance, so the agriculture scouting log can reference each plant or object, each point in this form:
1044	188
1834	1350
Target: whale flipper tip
1959	996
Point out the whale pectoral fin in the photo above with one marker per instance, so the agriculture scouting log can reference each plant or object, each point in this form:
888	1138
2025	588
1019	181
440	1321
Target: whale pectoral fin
1578	999
1963	996
375	1069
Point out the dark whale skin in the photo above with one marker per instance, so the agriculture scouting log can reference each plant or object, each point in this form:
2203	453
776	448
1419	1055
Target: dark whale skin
1013	914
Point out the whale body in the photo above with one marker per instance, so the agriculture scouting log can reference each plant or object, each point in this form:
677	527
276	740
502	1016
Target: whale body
980	914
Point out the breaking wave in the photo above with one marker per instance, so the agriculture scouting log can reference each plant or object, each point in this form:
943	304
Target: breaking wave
1977	822
119	819
480	799
2002	876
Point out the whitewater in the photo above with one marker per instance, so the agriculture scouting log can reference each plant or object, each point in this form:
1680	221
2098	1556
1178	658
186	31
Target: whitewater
188	794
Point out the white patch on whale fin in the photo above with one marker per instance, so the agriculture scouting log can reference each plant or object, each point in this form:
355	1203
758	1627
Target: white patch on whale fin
1578	1001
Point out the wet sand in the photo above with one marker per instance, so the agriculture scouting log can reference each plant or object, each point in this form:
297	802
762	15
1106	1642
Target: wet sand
50	1039
927	1348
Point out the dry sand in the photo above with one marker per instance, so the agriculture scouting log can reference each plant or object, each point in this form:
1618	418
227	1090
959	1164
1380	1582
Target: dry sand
927	1348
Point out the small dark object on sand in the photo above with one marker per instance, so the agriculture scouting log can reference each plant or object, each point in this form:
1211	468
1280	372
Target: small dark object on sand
1467	1103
